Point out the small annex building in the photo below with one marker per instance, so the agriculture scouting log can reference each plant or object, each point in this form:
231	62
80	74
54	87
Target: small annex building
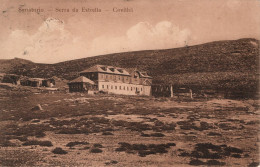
11	78
33	82
81	84
50	82
37	82
162	90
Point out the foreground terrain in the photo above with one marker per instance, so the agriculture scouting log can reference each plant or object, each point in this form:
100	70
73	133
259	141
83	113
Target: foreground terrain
102	130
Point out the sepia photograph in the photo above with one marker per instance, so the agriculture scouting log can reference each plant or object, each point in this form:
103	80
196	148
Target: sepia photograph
145	83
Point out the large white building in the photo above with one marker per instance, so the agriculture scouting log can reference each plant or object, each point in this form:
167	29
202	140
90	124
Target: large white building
117	80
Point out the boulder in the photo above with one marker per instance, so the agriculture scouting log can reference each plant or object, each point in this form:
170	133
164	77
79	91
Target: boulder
36	108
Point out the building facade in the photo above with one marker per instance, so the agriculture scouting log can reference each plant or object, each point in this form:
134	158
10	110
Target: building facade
116	80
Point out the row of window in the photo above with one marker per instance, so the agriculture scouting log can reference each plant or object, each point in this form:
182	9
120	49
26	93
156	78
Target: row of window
121	88
111	77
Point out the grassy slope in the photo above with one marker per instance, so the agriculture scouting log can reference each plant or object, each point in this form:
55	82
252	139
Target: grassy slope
216	65
67	118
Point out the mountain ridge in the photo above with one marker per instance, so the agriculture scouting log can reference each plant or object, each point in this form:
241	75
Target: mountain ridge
214	65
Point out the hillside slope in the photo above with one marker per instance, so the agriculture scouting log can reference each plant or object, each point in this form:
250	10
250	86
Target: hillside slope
216	65
11	65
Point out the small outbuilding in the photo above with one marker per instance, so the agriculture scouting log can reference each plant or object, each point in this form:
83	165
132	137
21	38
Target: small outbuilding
82	84
162	90
37	82
50	82
11	78
33	82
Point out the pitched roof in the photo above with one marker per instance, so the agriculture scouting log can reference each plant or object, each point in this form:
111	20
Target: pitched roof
82	79
106	69
144	74
141	73
35	79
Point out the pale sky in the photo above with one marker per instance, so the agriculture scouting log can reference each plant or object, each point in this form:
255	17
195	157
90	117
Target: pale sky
51	36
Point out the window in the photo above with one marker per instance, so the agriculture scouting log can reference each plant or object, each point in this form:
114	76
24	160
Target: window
115	87
127	88
111	86
119	77
120	87
103	86
103	68
141	89
124	87
112	69
131	88
107	86
106	76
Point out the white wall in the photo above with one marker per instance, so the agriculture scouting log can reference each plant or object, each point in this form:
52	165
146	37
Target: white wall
126	89
147	90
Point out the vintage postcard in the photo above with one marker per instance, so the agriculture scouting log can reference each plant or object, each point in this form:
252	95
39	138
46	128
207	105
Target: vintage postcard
129	83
